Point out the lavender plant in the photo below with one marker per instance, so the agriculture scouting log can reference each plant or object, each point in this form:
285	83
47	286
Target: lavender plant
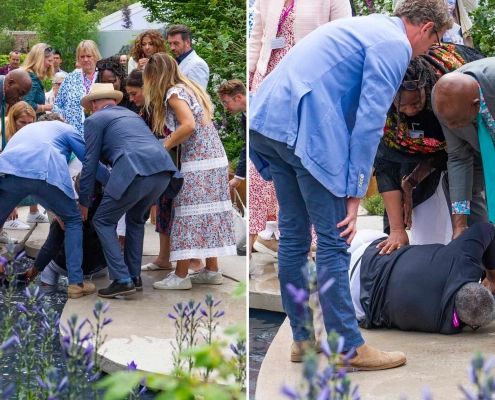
99	310
180	323
140	388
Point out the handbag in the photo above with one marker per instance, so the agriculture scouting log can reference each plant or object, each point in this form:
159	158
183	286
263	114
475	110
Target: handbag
240	224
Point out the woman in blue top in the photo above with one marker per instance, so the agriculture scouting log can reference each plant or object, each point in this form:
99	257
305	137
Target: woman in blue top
39	65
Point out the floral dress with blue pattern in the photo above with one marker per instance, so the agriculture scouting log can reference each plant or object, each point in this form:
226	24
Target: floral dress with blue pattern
75	86
202	226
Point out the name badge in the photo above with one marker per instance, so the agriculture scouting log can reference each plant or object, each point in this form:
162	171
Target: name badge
277	43
416	133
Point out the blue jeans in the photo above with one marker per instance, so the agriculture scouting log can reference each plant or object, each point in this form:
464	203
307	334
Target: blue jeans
304	201
13	189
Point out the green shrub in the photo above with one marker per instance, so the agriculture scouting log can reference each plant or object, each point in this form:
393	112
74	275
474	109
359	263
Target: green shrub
374	205
7	42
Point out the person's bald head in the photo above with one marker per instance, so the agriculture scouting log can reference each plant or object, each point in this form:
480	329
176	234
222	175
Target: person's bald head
456	99
17	85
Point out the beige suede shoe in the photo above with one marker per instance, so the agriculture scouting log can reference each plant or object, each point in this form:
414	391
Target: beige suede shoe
369	359
299	349
76	292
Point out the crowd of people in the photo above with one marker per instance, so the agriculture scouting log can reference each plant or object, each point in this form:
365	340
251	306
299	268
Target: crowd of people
111	140
411	102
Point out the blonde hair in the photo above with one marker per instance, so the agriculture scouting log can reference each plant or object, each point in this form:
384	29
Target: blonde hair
35	61
160	74
91	47
15	112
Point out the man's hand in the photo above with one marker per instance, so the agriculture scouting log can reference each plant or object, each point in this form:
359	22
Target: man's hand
489	285
395	240
60	222
234	183
350	219
13	215
458	230
84	212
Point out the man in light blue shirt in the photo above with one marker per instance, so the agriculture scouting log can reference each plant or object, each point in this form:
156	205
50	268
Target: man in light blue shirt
316	122
34	163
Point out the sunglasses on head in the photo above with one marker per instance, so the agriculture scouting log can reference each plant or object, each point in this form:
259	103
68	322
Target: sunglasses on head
48	51
105	65
412	85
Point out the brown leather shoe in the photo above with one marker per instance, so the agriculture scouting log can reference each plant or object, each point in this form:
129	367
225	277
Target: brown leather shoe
299	349
76	292
369	359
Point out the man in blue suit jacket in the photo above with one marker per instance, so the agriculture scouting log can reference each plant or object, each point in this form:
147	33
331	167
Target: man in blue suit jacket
35	163
316	123
141	171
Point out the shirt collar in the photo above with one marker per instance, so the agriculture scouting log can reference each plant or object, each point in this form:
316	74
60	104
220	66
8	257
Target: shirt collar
183	56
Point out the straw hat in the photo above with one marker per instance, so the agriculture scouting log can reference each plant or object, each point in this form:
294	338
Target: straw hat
101	91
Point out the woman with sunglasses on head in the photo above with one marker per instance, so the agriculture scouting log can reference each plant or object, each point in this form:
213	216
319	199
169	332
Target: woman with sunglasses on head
202	226
39	64
146	44
411	156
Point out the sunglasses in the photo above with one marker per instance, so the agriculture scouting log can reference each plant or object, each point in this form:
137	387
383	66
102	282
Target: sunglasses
106	65
48	51
412	85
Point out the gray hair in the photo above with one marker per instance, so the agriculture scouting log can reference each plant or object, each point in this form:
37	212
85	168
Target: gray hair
418	12
475	305
59	75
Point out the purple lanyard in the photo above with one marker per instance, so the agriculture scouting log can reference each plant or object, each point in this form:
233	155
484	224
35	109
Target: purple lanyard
87	88
284	17
455	320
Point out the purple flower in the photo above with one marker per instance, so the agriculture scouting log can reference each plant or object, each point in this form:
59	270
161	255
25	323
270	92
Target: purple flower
131	367
3	261
20	255
106	321
63	383
8	391
351	353
218	314
340	344
9	342
217	303
325	347
203	311
469	395
299	296
21	308
324	394
326	285
426	393
234	349
106	307
355	394
472	374
289	392
172	316
489	365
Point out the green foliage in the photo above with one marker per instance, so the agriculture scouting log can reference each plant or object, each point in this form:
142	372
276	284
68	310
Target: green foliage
4	59
16	15
483	31
374	205
109	7
219	32
7	42
366	7
63	24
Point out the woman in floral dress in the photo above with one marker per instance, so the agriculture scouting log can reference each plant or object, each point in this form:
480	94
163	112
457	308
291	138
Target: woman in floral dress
202	226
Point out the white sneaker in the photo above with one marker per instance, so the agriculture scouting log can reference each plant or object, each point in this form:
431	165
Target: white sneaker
207	277
37	217
16	224
5	238
173	282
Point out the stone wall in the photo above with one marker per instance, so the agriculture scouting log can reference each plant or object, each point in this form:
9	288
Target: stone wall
22	38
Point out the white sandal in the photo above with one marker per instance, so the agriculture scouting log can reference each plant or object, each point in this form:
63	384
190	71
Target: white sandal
153	267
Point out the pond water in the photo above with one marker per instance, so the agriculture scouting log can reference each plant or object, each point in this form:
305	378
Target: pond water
56	299
263	326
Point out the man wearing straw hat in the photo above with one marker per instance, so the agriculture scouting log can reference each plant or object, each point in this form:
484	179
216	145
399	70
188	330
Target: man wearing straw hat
141	171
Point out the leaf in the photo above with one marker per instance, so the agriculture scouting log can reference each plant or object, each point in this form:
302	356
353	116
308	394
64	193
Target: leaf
120	384
240	291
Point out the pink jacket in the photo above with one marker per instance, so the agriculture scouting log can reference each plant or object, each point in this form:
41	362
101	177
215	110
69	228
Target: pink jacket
309	15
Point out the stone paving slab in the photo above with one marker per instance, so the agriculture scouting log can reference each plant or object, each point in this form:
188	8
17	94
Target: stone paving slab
437	361
264	287
141	331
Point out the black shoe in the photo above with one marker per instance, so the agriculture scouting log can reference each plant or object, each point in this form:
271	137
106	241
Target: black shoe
138	283
118	289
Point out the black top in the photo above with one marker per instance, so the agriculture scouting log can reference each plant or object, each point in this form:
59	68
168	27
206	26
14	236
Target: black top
241	166
413	289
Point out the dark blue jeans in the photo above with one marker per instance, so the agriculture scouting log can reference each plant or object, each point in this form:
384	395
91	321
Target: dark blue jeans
304	201
13	189
135	203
